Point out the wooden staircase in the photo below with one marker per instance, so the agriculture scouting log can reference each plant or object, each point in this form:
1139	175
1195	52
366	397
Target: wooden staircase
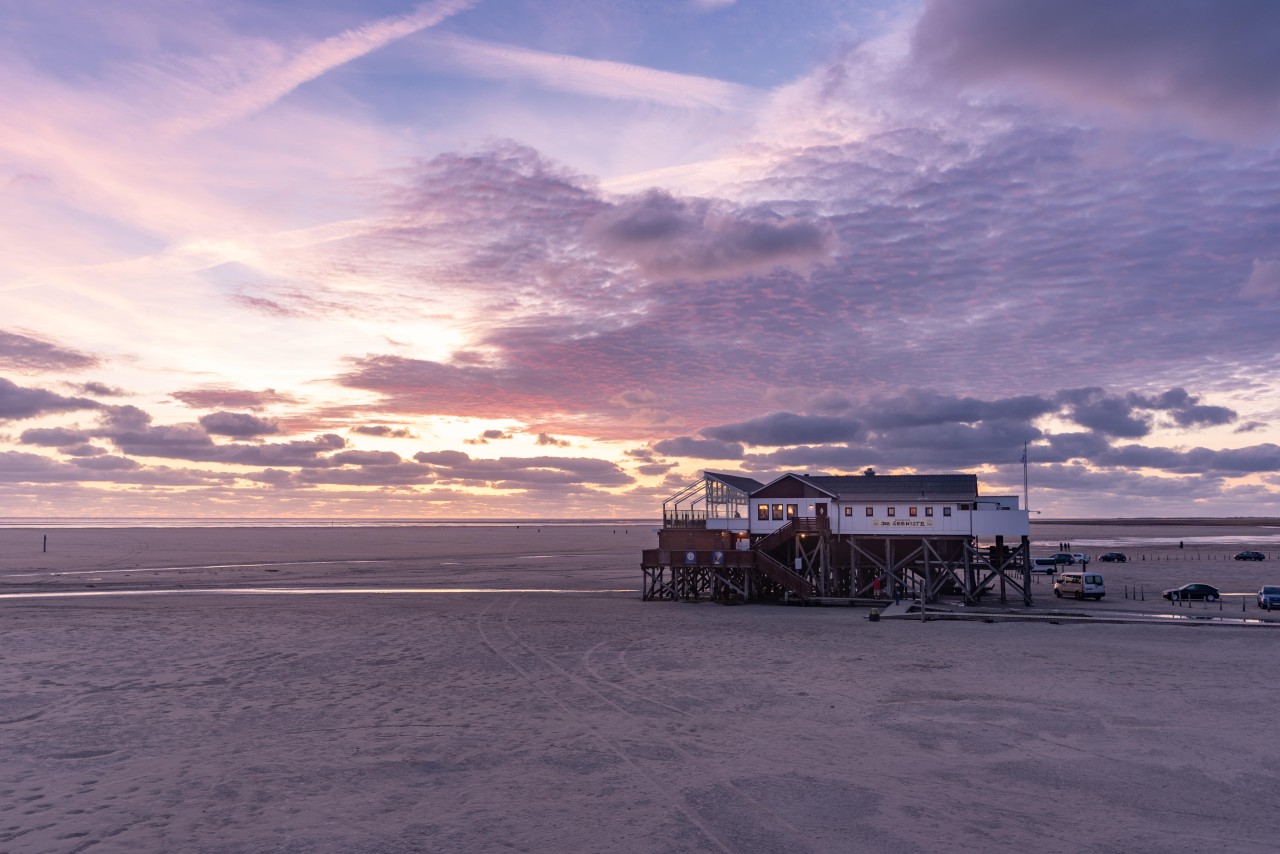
798	525
794	583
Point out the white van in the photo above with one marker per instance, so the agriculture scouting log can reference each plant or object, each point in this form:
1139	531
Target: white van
1047	565
1081	584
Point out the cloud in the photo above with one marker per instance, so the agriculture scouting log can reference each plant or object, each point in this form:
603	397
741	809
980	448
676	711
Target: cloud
593	77
1107	414
30	353
131	431
272	84
364	458
546	439
921	407
19	467
488	436
1203	62
1186	409
99	389
1064	447
238	424
106	462
17	402
1263	281
1233	462
523	472
53	437
383	431
672	237
220	397
699	449
788	428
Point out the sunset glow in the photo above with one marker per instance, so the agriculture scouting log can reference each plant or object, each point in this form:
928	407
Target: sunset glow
505	258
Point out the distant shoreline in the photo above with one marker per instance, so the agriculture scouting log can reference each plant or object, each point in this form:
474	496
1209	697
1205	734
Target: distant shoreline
65	522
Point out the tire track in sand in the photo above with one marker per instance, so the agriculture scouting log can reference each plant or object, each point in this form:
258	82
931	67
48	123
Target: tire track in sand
586	695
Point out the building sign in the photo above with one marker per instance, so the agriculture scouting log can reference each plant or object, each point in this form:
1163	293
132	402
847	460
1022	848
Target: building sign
902	523
690	558
717	558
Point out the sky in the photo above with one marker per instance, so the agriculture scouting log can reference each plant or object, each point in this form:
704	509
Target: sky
555	258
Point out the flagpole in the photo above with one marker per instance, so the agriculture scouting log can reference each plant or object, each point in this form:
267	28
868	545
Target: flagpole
1026	496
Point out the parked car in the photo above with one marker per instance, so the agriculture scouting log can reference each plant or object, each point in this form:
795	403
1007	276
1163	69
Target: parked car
1080	558
1071	559
1114	557
1207	592
1251	556
1269	597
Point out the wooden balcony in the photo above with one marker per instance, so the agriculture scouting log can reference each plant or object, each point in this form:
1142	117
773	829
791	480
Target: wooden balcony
676	557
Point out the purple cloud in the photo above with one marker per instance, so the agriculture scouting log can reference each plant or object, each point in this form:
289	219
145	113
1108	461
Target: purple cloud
523	472
1107	414
238	424
699	449
18	402
53	437
788	428
220	398
383	431
669	237
1202	61
28	353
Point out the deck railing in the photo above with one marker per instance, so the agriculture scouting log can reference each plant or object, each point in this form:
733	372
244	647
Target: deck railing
696	557
684	519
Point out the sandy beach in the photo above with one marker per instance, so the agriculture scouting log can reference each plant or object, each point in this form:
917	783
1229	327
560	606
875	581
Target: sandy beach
494	689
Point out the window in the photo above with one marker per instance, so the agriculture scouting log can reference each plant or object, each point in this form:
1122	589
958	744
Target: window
892	511
912	512
762	512
793	510
928	511
777	512
871	511
946	511
848	511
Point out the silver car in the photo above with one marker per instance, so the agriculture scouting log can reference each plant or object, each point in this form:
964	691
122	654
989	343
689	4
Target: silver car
1269	597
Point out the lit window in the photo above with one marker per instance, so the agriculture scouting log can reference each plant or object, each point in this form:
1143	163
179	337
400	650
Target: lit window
777	512
912	512
762	512
793	510
848	511
871	511
892	511
928	511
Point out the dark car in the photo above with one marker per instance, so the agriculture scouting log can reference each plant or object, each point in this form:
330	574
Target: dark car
1114	557
1207	592
1269	597
1251	556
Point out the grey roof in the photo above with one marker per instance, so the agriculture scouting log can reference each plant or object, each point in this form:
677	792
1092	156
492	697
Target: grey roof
900	487
746	484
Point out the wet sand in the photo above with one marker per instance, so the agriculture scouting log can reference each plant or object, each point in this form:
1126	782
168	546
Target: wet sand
510	717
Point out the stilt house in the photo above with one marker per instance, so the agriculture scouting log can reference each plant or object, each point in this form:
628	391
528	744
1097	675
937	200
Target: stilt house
845	537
